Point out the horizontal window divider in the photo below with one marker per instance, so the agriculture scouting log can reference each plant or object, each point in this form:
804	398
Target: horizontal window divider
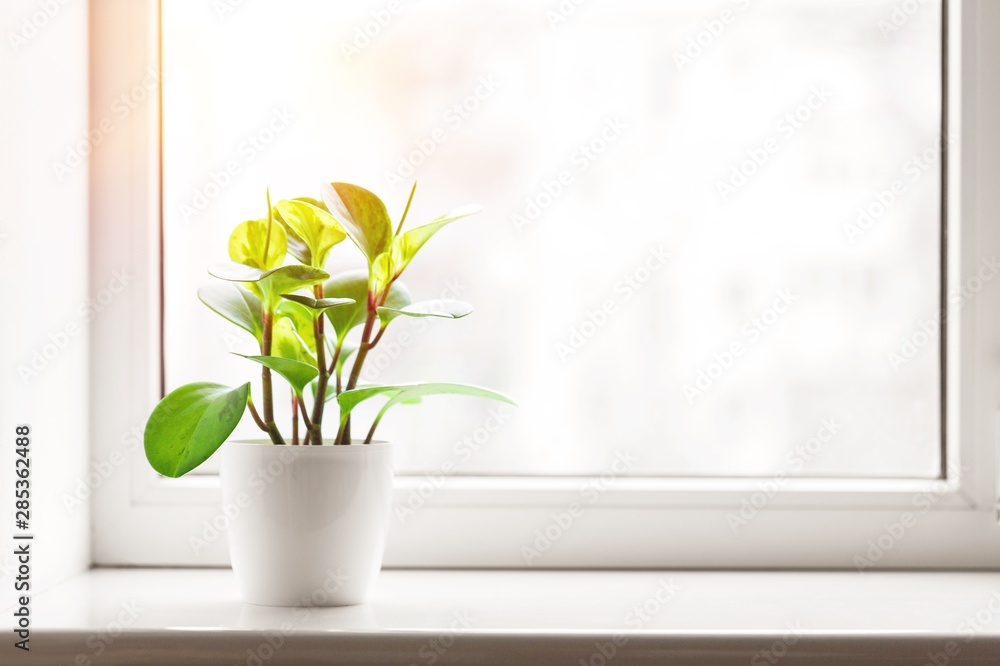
415	492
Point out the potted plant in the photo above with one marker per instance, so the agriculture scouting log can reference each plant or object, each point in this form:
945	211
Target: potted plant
312	509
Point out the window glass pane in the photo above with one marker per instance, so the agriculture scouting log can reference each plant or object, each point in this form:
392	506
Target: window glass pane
709	227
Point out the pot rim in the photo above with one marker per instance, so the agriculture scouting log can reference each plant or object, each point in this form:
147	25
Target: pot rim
327	444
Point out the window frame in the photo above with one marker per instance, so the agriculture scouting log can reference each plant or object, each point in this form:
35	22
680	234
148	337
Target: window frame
140	518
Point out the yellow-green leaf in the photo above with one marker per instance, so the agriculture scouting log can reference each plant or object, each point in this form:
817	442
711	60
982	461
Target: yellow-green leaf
317	305
406	245
354	285
253	244
272	284
317	230
362	215
287	341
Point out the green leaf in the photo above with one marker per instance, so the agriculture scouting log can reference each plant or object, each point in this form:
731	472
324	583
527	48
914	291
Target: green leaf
287	279
348	400
190	423
296	246
389	265
317	230
354	285
290	342
318	304
273	283
362	215
296	373
235	304
253	244
303	319
406	245
437	308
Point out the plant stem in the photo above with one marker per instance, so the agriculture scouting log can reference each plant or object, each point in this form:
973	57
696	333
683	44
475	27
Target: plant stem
265	380
295	419
378	336
334	370
254	414
305	415
324	374
366	344
344	436
371	431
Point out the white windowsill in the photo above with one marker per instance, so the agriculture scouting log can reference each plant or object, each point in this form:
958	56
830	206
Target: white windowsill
193	616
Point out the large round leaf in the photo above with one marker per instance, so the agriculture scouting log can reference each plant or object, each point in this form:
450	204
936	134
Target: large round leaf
190	423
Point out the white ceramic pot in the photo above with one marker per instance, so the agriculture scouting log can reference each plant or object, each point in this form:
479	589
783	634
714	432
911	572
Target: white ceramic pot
311	522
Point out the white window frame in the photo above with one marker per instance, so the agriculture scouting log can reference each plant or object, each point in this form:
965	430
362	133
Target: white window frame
140	518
